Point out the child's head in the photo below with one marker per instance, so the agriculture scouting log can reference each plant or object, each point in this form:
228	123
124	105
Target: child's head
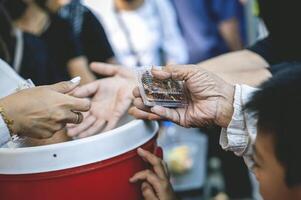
278	144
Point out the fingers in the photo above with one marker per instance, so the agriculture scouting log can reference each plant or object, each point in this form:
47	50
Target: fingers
136	92
150	177
140	114
154	161
104	69
77	104
167	113
86	90
86	124
66	86
73	117
148	192
175	72
96	128
138	103
121	106
160	73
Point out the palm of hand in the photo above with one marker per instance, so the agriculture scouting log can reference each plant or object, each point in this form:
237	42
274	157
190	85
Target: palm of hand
111	100
203	98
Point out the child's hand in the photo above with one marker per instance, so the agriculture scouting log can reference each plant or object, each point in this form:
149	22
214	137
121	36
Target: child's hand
155	184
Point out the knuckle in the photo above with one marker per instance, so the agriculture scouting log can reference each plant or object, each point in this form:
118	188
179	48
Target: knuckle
58	127
64	86
59	116
148	172
45	135
156	160
165	184
87	104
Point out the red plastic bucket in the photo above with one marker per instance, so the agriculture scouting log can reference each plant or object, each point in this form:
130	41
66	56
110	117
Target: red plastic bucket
97	167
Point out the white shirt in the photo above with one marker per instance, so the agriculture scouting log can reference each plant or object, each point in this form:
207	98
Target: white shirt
9	82
150	28
240	135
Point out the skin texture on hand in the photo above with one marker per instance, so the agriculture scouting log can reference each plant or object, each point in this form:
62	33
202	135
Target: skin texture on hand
210	99
155	182
58	137
111	98
42	111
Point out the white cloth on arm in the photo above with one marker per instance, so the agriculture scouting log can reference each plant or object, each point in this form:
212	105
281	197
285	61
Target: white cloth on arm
151	28
9	82
4	133
241	133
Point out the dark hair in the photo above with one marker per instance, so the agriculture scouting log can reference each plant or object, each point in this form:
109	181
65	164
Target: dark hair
15	8
42	4
6	35
278	108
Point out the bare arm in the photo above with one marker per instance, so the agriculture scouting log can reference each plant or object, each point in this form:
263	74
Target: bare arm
229	30
240	67
79	67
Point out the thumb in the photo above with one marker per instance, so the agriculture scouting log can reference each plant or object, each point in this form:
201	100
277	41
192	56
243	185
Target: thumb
175	72
66	86
104	69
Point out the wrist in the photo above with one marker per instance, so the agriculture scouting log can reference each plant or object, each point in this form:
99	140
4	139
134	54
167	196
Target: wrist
225	107
8	117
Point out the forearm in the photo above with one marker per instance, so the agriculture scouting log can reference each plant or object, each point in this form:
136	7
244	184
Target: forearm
229	30
241	67
79	67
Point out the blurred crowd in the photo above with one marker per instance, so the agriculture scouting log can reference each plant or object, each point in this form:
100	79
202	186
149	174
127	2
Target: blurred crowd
58	39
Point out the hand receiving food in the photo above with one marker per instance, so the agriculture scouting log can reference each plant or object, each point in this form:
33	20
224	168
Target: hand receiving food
111	98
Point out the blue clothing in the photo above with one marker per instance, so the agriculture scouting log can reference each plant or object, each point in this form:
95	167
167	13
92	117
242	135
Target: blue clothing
199	21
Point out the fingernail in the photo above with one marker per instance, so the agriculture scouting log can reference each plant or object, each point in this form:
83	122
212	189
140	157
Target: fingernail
76	80
140	151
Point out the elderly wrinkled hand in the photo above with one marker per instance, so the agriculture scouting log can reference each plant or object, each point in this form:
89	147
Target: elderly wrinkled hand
111	98
209	99
42	111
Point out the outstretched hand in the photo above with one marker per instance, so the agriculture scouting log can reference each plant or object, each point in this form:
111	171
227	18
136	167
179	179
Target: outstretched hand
209	98
111	98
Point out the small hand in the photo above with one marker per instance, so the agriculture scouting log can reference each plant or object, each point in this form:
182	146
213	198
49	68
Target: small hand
155	183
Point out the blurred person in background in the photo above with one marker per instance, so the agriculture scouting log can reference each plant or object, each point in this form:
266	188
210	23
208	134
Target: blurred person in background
36	113
55	47
105	99
142	32
210	28
87	29
18	50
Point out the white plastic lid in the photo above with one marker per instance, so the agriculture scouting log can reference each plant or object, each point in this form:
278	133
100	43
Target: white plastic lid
78	152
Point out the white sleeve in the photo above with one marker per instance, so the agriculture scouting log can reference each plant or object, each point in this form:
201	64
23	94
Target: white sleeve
4	133
9	80
173	45
241	133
